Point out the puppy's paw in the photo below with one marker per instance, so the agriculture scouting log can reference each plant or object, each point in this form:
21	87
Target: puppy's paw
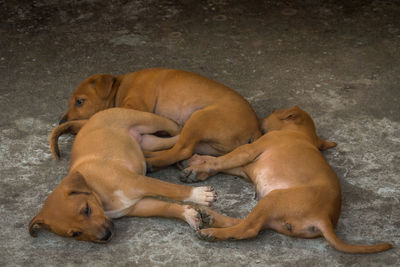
203	195
187	176
182	164
206	218
206	234
192	217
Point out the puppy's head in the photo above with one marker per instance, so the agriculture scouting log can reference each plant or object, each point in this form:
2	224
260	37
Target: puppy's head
279	119
95	93
73	210
294	118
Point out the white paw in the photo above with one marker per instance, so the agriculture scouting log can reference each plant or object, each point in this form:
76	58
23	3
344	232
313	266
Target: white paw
203	195
192	217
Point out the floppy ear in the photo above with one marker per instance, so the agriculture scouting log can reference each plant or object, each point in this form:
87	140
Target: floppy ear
76	184
37	223
291	114
324	145
103	85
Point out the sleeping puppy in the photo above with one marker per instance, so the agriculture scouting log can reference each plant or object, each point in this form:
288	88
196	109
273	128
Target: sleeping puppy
106	179
214	118
299	193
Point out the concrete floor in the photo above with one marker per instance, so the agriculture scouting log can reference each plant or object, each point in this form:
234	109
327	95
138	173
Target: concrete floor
339	60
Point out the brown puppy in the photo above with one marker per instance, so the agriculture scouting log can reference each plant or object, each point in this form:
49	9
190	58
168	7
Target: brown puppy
215	119
106	177
299	192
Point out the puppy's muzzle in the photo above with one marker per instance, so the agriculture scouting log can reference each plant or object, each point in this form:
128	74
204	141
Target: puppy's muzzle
108	232
107	236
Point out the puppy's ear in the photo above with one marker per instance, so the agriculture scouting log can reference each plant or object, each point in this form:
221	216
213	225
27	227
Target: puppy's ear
103	84
76	184
292	114
324	145
37	223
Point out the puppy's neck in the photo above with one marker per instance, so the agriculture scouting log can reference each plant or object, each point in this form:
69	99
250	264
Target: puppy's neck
308	133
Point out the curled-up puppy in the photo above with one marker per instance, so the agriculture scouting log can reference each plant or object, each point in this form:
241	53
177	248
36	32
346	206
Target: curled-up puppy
299	193
214	118
107	179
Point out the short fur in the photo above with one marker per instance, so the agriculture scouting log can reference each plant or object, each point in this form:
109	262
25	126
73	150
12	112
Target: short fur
298	190
107	179
214	118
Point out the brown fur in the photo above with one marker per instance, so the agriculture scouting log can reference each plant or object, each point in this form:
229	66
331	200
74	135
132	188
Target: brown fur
299	192
215	119
106	177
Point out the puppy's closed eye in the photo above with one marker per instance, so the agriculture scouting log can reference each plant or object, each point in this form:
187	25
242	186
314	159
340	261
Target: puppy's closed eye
87	211
79	102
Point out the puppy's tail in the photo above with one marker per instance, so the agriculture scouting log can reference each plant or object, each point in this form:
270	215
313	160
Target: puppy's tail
326	229
67	127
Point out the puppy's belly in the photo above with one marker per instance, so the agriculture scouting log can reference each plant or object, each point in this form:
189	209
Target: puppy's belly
267	180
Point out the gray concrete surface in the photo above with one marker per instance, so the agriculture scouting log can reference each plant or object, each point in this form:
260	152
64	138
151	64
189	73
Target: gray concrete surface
339	60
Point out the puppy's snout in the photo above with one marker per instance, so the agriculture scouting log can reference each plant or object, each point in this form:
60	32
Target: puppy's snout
107	235
108	232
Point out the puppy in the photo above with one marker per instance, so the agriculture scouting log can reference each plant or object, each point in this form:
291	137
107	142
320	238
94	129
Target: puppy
299	192
215	119
106	177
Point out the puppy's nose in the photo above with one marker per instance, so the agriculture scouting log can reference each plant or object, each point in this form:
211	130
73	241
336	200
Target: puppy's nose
107	236
63	120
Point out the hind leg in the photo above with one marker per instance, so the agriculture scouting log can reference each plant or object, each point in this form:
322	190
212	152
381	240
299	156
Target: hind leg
244	229
150	143
192	133
150	207
138	121
191	177
209	125
292	212
212	218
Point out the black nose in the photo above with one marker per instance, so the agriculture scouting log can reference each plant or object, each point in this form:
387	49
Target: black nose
62	121
107	235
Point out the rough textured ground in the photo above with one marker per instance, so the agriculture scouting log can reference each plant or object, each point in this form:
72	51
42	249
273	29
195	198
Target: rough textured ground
339	60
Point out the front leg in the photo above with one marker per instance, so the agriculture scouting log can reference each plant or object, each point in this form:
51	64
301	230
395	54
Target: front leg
211	218
195	160
151	187
149	207
204	166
